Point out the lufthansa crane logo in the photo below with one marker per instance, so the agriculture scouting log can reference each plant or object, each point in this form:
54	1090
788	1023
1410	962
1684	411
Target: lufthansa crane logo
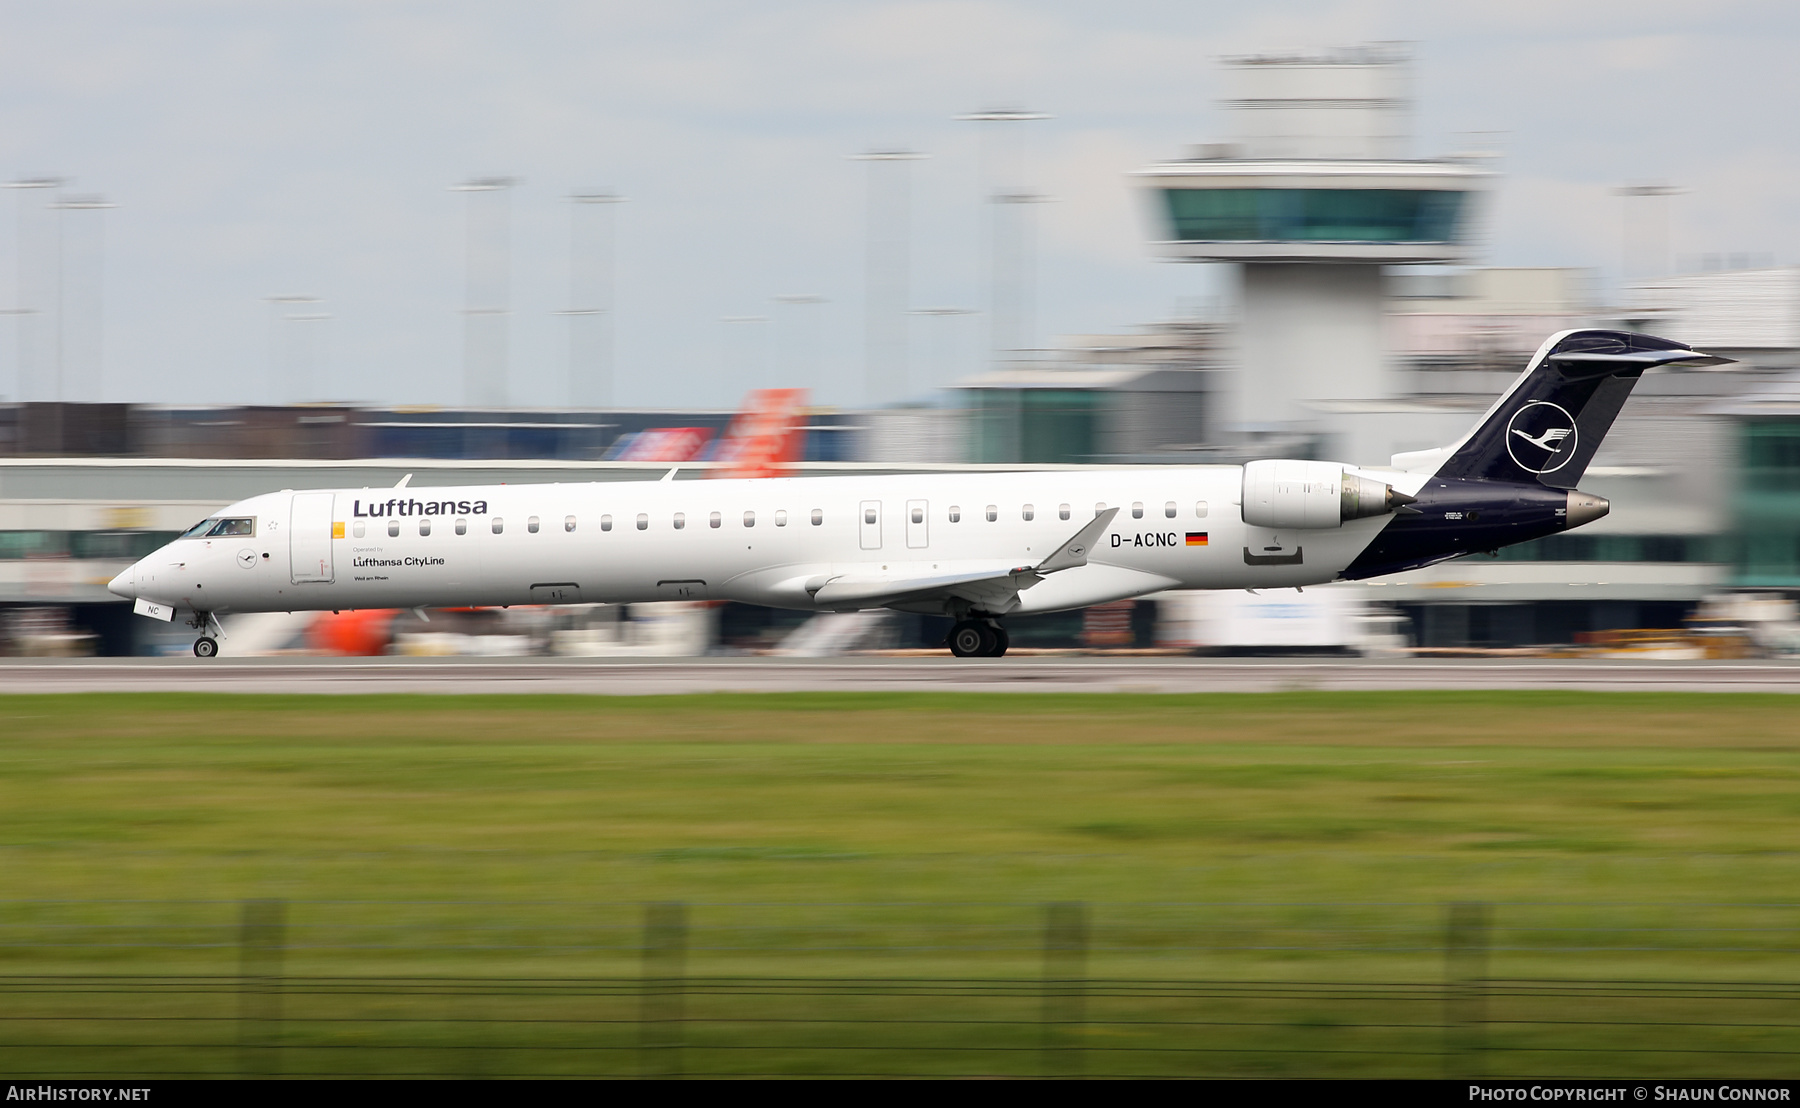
1541	437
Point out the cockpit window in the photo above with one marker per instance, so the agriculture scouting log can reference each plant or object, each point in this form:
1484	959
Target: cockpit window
243	525
200	528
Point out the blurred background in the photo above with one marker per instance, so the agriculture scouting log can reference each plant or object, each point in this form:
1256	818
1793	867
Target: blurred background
317	246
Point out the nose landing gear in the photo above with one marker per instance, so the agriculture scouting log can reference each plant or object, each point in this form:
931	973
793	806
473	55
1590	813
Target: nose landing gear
207	624
978	638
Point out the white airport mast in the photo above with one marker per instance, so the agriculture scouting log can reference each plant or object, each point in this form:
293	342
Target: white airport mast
888	274
590	311
486	302
1314	196
1011	264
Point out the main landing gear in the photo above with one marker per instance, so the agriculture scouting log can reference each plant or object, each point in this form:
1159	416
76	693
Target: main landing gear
978	638
205	646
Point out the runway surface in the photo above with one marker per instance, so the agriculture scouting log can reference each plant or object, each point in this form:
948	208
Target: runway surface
627	677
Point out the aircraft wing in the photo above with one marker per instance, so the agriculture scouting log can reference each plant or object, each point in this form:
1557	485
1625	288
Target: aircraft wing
994	589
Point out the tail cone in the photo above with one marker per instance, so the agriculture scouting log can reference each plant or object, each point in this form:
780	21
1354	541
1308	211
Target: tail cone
1584	507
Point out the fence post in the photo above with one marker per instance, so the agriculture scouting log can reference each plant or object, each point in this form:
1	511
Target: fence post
1466	934
1065	987
660	1013
262	940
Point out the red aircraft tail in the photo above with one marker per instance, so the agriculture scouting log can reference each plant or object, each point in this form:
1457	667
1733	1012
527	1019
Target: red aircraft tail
766	438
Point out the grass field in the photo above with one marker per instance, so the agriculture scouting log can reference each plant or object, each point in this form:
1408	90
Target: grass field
1307	837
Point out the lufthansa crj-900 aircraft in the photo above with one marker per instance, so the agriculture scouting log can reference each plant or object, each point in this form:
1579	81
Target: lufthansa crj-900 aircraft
976	547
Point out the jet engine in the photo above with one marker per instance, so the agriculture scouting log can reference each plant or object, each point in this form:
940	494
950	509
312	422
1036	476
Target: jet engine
1290	494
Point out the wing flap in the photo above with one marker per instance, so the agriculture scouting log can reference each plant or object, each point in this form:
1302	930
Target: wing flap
994	588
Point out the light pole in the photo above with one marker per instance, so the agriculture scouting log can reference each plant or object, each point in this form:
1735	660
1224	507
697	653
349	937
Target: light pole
1011	276
487	292
590	308
886	281
292	375
39	293
797	343
749	372
940	368
80	334
1644	247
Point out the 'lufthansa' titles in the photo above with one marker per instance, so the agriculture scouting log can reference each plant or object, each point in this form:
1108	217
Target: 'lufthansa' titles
420	508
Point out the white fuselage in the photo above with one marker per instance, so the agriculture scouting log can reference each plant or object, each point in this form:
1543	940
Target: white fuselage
755	541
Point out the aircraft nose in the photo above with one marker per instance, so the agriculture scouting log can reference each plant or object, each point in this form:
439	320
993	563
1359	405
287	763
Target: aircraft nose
125	584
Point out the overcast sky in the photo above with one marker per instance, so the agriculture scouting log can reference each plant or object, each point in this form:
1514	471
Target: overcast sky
258	149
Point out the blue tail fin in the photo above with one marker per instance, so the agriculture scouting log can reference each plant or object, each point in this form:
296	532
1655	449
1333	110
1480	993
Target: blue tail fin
1546	427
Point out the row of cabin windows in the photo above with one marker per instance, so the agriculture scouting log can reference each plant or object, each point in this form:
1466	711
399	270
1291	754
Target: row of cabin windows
1028	512
498	524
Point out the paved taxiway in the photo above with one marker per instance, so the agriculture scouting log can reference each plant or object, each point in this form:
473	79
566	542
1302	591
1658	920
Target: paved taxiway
876	674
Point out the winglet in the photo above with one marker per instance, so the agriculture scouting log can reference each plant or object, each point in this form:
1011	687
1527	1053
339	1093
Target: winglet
1075	552
670	476
400	484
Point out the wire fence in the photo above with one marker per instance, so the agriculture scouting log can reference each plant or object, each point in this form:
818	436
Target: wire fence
266	987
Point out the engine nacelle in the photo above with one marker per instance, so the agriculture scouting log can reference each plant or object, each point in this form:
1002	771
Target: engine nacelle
1290	494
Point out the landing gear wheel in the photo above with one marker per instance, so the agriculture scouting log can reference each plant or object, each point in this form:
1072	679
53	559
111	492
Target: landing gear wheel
971	639
1001	641
206	646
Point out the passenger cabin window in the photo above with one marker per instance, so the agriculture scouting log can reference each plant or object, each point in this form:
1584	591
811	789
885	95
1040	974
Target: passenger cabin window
499	525
1100	507
781	519
1169	509
606	523
462	527
643	522
1062	511
818	517
424	527
393	528
532	525
714	520
680	520
918	515
749	519
1027	512
568	523
993	513
359	528
1200	509
955	514
1137	509
868	515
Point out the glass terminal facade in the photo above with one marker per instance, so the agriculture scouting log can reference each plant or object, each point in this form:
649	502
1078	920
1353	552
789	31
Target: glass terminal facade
1314	215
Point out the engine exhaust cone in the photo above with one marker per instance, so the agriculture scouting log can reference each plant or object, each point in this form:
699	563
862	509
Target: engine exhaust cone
1584	507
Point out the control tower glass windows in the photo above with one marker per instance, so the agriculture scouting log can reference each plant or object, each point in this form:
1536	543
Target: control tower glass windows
1314	215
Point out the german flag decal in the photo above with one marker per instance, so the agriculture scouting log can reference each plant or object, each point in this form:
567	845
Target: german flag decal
1196	538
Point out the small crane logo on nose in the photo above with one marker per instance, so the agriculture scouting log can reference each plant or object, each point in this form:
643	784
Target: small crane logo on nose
246	558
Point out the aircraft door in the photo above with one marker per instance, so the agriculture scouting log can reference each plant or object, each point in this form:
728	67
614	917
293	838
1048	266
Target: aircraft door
868	522
917	513
310	531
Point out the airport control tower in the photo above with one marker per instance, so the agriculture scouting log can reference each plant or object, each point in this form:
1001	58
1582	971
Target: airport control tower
1313	198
